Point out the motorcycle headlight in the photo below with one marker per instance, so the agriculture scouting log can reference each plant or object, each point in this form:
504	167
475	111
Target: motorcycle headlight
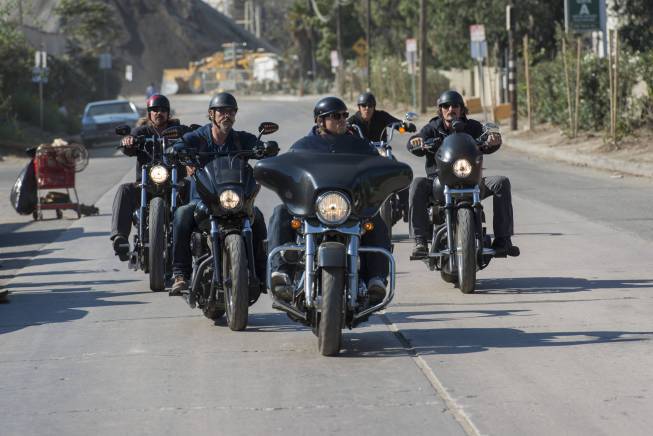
158	174
333	208
462	168
229	199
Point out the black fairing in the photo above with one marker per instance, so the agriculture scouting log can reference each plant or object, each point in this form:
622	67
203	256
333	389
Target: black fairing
459	146
226	173
298	178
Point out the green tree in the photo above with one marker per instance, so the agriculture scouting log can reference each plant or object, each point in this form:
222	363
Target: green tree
636	18
88	25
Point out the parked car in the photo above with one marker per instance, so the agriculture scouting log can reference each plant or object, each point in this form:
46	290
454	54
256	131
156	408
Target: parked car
102	117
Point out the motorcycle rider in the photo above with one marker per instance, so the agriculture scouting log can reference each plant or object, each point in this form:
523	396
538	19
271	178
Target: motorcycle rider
330	135
372	124
217	136
452	117
128	197
371	121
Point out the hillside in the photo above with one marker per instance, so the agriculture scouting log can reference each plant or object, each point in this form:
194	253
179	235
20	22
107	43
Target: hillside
155	34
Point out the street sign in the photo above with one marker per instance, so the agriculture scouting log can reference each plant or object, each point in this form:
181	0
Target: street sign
39	75
335	59
477	32
40	59
583	15
478	50
129	75
105	61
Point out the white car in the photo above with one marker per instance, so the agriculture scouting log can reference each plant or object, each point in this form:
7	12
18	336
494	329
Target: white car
102	117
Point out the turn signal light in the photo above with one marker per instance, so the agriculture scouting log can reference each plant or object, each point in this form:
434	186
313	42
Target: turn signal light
295	224
368	226
402	130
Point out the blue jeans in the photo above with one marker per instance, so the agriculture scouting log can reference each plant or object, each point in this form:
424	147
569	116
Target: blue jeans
182	229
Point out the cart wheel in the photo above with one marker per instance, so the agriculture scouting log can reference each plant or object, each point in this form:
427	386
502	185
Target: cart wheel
59	213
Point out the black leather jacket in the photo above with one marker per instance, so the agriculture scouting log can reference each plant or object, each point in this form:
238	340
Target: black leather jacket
376	127
436	129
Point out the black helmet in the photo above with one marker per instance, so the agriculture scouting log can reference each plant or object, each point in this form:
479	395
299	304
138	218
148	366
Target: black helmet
224	99
158	100
367	98
451	97
329	105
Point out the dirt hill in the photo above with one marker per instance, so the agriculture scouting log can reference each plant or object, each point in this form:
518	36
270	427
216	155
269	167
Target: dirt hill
155	34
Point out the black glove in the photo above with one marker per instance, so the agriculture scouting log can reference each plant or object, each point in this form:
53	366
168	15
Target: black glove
410	127
271	148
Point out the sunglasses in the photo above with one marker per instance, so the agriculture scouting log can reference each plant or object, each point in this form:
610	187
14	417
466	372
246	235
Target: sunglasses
365	105
448	105
338	115
226	110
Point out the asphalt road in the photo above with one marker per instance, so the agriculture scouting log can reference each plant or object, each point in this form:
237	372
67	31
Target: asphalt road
557	341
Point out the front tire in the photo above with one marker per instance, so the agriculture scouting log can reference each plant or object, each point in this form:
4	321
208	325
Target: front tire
236	285
330	327
466	250
157	249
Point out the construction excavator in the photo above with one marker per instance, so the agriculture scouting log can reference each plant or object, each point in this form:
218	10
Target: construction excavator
221	71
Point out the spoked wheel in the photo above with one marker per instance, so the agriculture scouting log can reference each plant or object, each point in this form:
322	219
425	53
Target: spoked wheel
157	252
466	251
330	324
236	285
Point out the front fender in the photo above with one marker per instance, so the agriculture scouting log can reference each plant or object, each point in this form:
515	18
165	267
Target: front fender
332	254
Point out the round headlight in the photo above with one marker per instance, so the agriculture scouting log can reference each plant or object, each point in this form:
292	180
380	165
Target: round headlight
462	168
158	174
229	199
333	208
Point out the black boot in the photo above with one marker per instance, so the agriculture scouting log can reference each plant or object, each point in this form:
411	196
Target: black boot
503	247
121	247
421	249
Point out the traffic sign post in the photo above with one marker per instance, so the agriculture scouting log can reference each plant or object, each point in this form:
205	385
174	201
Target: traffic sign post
478	48
105	64
40	76
411	60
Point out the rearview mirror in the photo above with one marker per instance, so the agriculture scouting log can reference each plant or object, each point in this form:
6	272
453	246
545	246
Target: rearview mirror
267	127
411	116
123	130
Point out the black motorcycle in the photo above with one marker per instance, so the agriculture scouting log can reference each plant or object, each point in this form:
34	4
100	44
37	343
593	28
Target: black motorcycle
460	245
224	276
152	248
395	206
332	198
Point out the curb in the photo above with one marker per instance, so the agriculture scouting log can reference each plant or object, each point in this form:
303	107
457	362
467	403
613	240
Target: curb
592	161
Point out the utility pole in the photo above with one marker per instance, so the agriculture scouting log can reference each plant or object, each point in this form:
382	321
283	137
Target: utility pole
369	45
422	56
512	70
339	70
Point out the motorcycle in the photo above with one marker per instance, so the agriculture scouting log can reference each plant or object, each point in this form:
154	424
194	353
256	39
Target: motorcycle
224	279
152	252
460	245
393	208
332	198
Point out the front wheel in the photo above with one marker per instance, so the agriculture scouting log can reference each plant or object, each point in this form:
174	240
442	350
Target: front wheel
330	326
466	250
235	281
157	248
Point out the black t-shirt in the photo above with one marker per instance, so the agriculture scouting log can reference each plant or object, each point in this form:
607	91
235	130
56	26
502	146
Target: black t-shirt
376	127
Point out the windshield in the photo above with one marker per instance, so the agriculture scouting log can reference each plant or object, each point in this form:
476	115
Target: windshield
110	108
225	169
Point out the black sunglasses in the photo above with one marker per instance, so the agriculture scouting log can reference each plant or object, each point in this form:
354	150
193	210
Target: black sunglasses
448	105
338	115
365	105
